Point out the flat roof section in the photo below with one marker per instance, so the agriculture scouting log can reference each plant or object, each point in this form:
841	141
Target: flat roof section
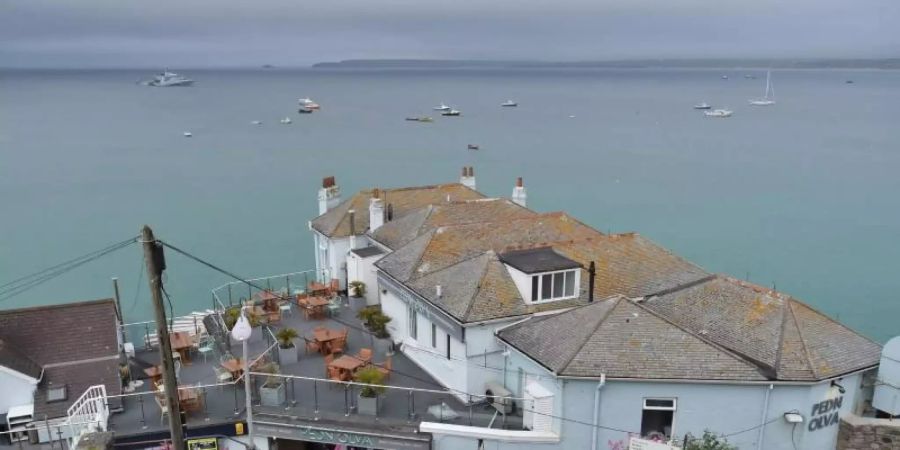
536	260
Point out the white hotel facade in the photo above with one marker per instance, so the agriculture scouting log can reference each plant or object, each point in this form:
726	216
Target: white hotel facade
597	337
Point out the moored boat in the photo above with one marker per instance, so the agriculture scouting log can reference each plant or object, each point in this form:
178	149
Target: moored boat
509	104
719	113
452	113
703	105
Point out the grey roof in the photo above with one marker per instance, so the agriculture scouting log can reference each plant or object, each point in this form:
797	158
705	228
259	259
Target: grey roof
477	286
75	343
717	328
782	335
366	252
535	260
621	339
13	359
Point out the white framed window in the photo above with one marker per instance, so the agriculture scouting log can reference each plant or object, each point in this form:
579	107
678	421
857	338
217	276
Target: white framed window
412	322
554	285
433	335
658	417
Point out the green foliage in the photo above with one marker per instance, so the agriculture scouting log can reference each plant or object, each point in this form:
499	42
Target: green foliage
233	313
272	369
709	441
372	376
359	288
374	320
286	337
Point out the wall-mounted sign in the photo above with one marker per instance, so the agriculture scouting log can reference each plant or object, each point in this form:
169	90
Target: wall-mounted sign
825	413
203	444
644	444
355	438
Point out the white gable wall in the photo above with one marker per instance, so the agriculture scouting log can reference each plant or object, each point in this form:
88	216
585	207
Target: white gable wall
15	389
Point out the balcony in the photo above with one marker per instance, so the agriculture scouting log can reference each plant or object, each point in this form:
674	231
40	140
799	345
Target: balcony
410	396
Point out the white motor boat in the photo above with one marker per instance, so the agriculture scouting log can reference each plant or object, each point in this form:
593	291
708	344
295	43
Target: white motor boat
703	105
286	121
308	103
452	113
509	104
256	122
719	113
169	79
188	134
766	100
442	107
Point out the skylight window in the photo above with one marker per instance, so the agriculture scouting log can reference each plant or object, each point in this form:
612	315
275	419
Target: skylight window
56	394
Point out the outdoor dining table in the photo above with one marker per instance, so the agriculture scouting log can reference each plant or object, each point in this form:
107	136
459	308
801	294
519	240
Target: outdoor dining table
235	366
315	287
347	365
324	336
317	306
155	373
182	343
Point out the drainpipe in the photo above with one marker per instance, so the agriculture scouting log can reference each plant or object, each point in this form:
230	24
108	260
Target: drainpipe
596	421
765	411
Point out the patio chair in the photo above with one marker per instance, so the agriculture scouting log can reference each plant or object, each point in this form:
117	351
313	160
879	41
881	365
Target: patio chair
336	347
311	346
285	308
222	376
334	286
334	307
365	354
163	408
204	346
274	316
328	360
386	368
334	374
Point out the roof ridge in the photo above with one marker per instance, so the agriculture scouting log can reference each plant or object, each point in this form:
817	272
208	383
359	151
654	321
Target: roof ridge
812	367
431	272
57	306
618	300
829	318
484	271
734	354
779	350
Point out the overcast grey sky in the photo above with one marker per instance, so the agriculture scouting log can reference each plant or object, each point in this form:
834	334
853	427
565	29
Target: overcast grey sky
194	33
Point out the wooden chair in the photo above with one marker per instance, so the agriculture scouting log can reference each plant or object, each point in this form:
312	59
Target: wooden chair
365	354
328	360
334	374
336	347
311	346
334	286
386	368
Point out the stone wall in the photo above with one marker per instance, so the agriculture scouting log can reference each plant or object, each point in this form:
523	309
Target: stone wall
866	433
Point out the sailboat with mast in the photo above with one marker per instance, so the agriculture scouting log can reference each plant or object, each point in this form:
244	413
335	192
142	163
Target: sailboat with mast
767	100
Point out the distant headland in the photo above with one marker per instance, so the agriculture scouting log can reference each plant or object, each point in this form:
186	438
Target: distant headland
821	63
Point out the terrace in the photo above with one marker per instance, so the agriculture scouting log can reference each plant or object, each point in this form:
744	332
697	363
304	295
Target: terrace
410	395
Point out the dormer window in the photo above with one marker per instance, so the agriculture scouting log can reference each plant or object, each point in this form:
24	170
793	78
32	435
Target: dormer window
553	286
542	274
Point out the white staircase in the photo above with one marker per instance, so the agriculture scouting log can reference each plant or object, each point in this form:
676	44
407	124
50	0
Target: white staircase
89	413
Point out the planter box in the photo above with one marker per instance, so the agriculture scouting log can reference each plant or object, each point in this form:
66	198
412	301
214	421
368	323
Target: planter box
272	396
287	356
368	405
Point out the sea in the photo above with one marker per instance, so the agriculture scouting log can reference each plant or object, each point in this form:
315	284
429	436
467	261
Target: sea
803	196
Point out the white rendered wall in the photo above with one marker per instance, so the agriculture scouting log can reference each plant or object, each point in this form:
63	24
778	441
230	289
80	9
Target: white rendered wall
15	390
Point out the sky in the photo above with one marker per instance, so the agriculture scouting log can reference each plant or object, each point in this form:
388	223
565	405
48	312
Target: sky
201	33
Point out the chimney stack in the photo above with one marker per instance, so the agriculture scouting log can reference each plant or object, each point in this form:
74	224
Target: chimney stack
329	195
592	273
519	196
437	290
376	211
468	177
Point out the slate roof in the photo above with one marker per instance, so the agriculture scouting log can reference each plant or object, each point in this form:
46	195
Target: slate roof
476	285
75	344
336	222
400	232
535	260
785	337
366	252
621	339
13	359
717	328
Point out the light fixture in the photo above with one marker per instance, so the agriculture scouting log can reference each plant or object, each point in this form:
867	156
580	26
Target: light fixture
838	386
242	329
793	417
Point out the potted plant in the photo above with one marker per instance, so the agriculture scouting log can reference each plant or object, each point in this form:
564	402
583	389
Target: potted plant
272	391
368	395
374	320
357	288
287	351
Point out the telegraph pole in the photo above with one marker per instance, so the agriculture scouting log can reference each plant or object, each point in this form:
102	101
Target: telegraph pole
156	263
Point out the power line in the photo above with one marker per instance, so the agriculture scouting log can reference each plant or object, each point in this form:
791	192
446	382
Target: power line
28	282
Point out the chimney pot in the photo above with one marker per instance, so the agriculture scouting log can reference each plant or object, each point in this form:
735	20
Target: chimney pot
519	182
437	290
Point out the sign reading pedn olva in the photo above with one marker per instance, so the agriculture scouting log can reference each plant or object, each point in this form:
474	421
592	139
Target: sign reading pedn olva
825	413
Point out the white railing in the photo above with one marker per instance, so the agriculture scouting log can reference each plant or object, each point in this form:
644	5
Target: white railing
89	413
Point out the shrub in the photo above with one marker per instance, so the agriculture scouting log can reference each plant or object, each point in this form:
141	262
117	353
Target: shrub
372	376
286	337
359	287
709	441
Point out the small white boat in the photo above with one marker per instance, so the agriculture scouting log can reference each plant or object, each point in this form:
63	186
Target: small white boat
509	104
703	105
766	100
442	107
256	122
452	112
308	103
169	79
188	134
724	77
286	120
719	113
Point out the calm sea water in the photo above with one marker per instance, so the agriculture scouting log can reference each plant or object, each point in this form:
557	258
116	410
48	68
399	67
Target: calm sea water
803	195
